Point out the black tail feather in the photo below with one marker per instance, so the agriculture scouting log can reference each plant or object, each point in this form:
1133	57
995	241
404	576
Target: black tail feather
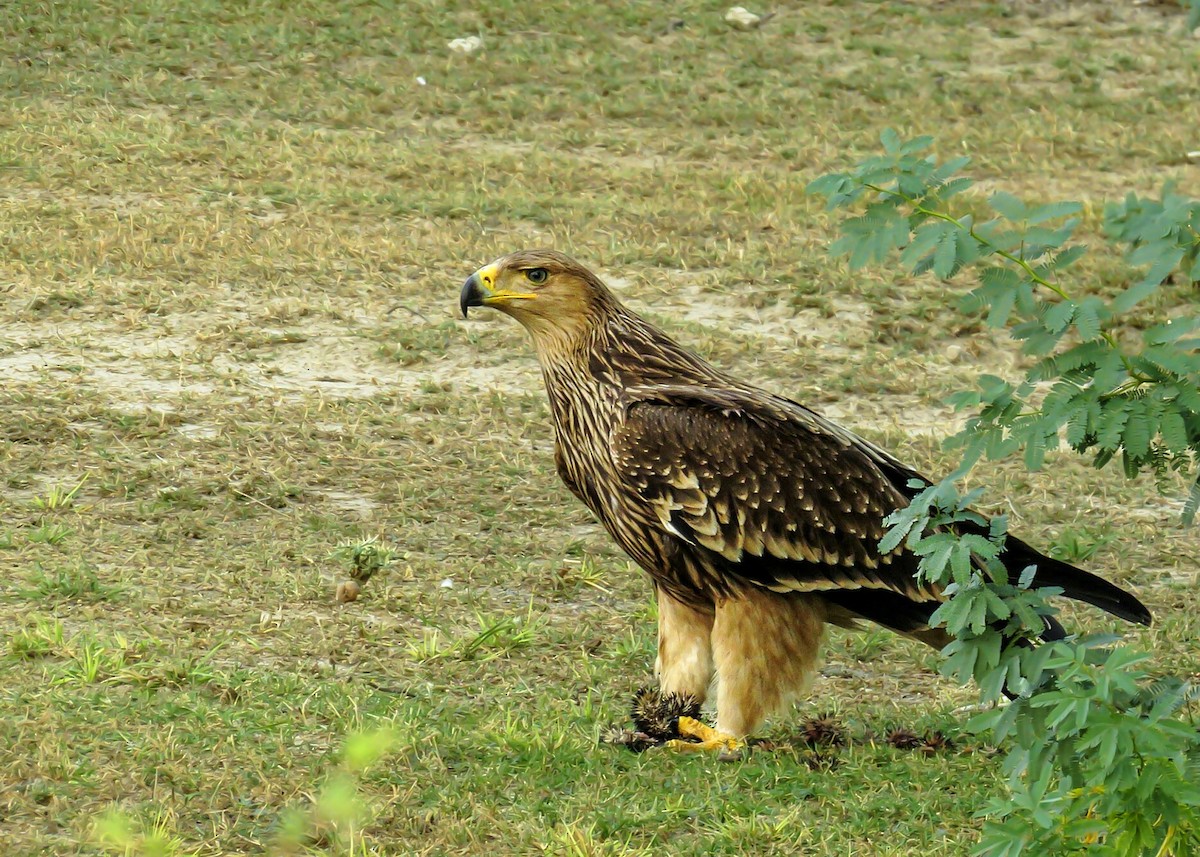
911	618
1074	582
900	613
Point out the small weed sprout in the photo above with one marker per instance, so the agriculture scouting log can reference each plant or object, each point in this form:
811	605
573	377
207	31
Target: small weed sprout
42	639
496	638
428	647
92	660
574	573
91	663
58	499
77	582
339	810
116	832
365	557
1079	545
49	534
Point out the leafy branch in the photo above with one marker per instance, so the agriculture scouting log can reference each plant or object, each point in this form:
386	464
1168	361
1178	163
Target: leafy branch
1102	757
1091	388
1164	232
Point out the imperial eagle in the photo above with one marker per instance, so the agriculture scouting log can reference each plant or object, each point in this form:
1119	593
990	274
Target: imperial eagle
757	519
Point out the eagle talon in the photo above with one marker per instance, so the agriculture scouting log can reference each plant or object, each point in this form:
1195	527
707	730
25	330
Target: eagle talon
705	738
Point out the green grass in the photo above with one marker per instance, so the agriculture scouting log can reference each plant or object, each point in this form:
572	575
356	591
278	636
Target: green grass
233	241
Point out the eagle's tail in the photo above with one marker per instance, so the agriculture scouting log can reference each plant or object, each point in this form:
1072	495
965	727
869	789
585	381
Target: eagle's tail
1074	582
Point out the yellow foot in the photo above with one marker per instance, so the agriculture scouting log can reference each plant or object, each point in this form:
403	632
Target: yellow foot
728	748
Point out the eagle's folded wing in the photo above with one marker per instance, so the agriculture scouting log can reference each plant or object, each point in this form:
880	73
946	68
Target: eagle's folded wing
772	492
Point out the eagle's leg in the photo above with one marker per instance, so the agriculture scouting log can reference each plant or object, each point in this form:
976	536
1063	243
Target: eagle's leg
685	666
766	649
685	662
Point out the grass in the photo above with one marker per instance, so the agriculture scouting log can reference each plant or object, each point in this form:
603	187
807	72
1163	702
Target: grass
228	337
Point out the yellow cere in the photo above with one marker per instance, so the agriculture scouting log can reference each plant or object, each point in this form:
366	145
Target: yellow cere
488	276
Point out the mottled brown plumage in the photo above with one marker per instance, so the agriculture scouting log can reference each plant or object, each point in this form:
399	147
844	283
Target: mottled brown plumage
757	519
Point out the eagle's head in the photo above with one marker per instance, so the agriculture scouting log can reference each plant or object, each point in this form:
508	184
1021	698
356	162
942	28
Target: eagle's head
552	295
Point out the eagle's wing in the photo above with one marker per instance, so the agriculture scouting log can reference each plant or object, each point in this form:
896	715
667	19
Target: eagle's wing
774	493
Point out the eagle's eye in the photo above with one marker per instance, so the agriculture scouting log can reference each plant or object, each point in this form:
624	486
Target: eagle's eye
537	276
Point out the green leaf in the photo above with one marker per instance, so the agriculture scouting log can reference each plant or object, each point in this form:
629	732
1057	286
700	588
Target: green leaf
945	255
840	189
872	236
1036	339
1035	451
1112	423
1170	360
1154	248
892	539
923	242
1002	306
1026	302
958	185
1138	430
963	399
997	606
1058	316
1077	428
1087	317
1041	240
1051	211
1167	262
1171	330
890	140
953	615
1066	258
994	281
1134	295
916	144
1008	206
1174	432
949	168
1192	504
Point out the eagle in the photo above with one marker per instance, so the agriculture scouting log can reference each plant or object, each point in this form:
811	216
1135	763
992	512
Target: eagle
758	520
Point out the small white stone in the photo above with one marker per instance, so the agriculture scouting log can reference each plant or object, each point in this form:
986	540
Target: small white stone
954	352
469	45
420	81
448	583
1194	157
742	18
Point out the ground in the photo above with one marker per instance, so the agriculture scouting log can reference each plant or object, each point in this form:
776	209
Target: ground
233	242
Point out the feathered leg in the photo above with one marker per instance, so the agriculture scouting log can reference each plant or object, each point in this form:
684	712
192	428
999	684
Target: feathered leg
685	663
766	649
685	666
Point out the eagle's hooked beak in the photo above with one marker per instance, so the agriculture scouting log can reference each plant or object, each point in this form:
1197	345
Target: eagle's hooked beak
472	294
480	290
